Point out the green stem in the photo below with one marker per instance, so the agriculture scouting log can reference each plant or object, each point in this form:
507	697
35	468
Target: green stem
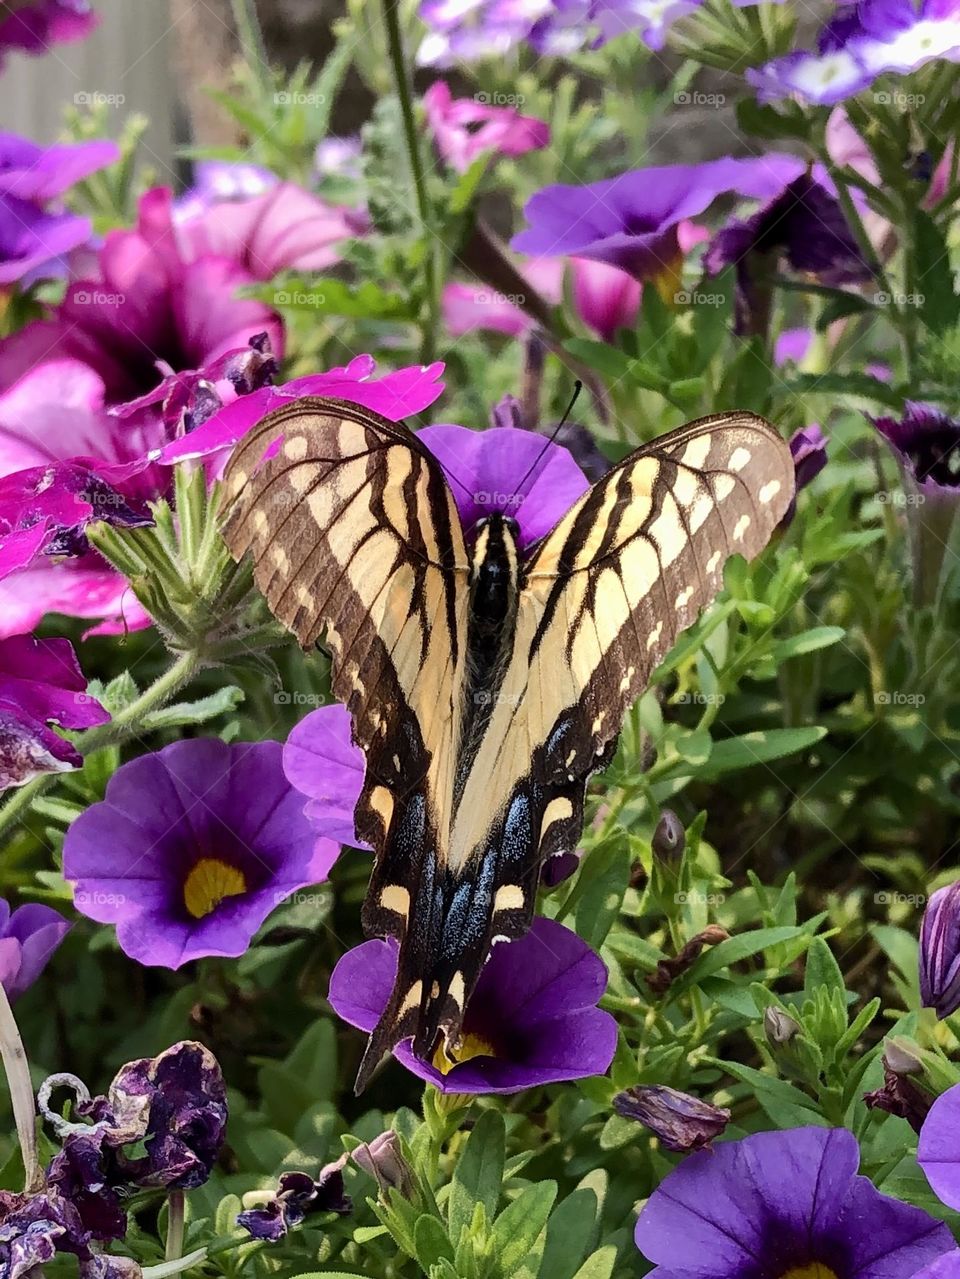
175	1226
252	42
95	739
402	85
21	1093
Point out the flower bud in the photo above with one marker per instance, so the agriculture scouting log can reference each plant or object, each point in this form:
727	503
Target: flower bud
383	1160
778	1026
680	1122
669	838
900	1095
940	952
668	970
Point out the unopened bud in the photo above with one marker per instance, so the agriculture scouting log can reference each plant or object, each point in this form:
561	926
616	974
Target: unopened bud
680	1122
383	1160
669	838
778	1026
900	1095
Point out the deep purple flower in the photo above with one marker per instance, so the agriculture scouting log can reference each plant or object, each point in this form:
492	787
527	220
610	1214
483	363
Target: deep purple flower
28	938
940	951
860	43
396	395
938	1153
802	226
632	221
808	448
321	762
679	1121
35	237
79	1174
32	26
297	1195
780	1203
465	128
35	1227
41	685
191	849
531	1020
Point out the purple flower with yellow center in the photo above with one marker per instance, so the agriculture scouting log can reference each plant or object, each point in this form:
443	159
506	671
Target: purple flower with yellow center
41	685
940	952
191	848
531	1020
28	937
632	221
34	25
803	227
783	1205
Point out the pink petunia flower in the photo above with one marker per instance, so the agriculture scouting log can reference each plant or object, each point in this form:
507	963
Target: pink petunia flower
464	128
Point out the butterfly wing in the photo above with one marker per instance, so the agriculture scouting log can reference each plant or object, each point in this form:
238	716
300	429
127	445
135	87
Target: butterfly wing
604	597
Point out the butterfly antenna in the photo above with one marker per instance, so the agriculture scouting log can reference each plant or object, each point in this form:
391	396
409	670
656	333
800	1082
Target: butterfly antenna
577	388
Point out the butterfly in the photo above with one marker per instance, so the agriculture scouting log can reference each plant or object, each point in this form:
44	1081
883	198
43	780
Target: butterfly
485	684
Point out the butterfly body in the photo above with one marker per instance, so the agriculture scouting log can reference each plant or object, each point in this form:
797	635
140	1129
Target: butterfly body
486	680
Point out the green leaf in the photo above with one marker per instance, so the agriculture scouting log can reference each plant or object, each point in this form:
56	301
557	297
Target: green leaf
334	297
822	971
180	714
806	642
939	304
599	1266
479	1174
571	1232
857	386
838	308
733	951
604	882
787	1106
517	1228
431	1242
733	753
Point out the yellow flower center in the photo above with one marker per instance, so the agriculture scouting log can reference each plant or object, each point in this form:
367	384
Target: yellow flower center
210	881
814	1271
469	1046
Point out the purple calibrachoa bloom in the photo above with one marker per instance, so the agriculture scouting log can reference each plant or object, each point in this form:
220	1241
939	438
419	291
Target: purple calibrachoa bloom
781	1204
808	448
34	26
191	848
860	43
678	1120
297	1196
940	951
28	937
632	221
41	685
532	1018
464	128
321	762
35	234
938	1153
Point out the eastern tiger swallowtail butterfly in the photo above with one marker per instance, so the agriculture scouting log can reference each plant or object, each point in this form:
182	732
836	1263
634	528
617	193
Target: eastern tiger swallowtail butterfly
485	686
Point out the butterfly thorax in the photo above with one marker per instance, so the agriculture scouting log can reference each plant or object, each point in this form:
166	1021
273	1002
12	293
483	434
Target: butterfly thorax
494	573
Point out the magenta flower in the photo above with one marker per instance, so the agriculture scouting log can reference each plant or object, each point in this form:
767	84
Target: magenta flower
532	1019
191	849
36	233
33	26
28	937
467	307
464	128
632	221
605	298
396	396
778	1203
41	686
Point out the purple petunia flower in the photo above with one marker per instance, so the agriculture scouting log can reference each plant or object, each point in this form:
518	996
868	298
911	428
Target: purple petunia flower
41	684
296	1197
937	1152
632	221
321	762
803	226
940	951
860	43
28	937
464	128
32	27
531	1020
780	1203
35	237
191	848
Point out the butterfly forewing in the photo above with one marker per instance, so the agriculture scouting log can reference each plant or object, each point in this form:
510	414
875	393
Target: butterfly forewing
354	533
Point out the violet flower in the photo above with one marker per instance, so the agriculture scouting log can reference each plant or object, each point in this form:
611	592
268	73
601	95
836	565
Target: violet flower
296	1197
41	686
322	763
531	1020
632	221
191	848
32	27
36	232
780	1203
940	952
937	1152
28	938
679	1121
808	448
465	128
